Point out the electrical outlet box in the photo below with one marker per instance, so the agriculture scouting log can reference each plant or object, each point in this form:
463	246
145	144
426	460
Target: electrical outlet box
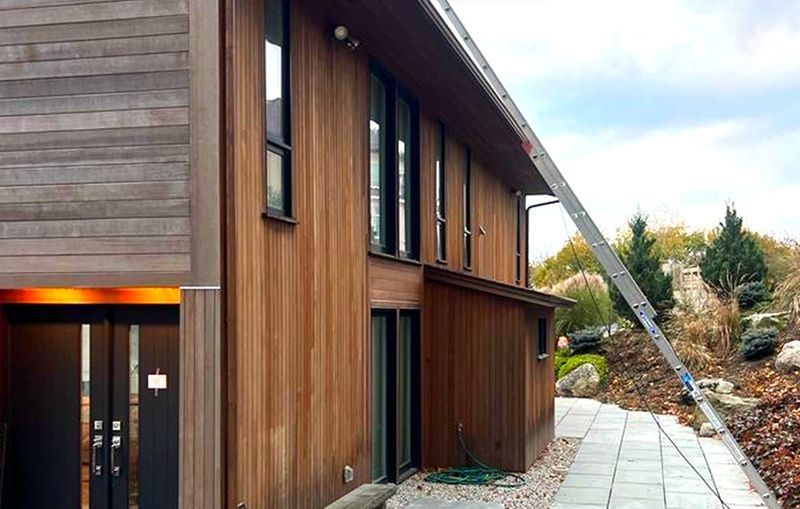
348	474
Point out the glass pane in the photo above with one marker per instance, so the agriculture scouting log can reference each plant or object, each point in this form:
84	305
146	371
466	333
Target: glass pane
404	178
86	431
440	178
133	409
404	390
377	162
441	240
273	66
275	188
379	332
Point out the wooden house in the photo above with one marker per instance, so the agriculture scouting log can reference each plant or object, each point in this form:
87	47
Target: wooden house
257	253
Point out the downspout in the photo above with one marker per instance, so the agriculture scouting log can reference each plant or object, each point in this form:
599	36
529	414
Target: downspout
528	240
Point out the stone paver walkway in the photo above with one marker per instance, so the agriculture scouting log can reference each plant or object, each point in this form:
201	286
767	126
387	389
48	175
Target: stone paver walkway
625	462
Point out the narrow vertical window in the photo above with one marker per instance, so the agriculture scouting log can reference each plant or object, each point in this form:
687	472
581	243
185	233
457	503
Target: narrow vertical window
87	444
380	338
518	246
441	186
378	166
543	337
405	181
468	210
394	167
277	111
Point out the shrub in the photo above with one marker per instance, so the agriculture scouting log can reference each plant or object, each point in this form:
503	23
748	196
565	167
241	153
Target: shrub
752	293
641	260
561	357
758	342
698	334
583	314
586	340
733	257
598	361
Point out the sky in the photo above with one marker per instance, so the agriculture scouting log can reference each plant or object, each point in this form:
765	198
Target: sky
671	107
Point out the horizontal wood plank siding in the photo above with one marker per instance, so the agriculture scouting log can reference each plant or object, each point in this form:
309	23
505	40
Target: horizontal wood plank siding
394	284
95	170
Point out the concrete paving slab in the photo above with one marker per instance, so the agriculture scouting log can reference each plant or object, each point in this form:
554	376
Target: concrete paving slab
626	461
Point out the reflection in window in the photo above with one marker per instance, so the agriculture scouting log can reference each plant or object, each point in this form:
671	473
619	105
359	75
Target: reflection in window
441	185
86	413
377	164
276	79
404	179
404	391
133	420
468	211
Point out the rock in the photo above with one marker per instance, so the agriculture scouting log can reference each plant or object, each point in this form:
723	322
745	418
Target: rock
718	385
581	382
766	320
707	430
789	358
725	404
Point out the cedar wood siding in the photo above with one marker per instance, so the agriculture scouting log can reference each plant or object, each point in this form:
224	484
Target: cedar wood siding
300	294
98	164
481	370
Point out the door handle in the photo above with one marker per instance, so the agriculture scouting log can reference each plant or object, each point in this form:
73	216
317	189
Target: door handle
97	444
116	445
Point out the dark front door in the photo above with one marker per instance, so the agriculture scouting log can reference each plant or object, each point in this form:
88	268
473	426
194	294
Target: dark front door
92	407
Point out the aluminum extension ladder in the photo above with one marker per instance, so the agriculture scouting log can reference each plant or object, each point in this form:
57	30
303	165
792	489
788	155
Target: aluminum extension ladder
608	258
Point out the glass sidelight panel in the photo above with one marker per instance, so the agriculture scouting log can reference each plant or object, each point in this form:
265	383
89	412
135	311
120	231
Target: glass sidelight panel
380	330
133	417
86	428
404	409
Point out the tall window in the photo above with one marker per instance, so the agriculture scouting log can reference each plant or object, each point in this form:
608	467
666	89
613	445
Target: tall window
468	210
395	394
518	247
441	186
394	168
279	149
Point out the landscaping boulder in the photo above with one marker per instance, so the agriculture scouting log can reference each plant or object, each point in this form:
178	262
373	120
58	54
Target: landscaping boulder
707	430
766	320
725	404
718	385
581	382
789	357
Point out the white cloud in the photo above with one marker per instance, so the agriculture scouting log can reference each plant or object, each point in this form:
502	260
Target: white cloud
673	42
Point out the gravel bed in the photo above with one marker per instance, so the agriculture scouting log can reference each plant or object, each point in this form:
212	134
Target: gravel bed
543	480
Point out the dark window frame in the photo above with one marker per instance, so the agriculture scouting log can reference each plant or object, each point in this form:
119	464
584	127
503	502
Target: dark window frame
394	94
281	146
395	472
440	193
468	197
543	334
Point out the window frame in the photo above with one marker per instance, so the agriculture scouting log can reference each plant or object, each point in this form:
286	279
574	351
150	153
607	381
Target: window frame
395	472
467	204
440	192
394	94
543	333
281	146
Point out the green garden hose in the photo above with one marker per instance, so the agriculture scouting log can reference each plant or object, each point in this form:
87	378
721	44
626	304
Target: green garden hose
478	473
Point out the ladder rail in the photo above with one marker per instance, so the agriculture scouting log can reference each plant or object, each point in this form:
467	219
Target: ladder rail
608	258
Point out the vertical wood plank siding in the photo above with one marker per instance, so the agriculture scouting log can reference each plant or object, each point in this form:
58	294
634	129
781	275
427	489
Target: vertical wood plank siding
298	301
493	208
480	369
201	461
95	142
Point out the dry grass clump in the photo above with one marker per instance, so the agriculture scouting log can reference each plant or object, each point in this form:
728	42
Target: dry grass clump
787	292
698	335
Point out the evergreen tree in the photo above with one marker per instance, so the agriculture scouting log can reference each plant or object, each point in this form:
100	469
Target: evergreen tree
733	257
641	260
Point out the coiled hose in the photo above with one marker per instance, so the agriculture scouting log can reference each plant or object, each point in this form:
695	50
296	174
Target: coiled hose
479	473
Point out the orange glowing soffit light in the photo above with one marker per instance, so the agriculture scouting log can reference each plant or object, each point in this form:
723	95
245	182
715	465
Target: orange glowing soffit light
91	296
